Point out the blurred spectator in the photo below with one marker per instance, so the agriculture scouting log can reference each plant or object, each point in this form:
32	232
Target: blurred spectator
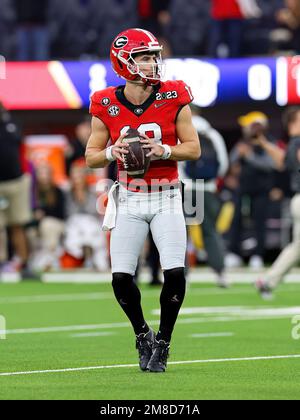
188	26
3	235
50	215
82	28
71	30
109	19
227	24
153	15
258	32
14	192
84	239
77	146
33	41
85	28
255	182
290	255
289	17
212	164
7	20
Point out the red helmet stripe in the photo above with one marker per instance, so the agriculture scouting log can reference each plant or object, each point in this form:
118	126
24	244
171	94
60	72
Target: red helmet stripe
152	39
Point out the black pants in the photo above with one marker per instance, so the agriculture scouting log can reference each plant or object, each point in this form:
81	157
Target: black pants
259	211
213	242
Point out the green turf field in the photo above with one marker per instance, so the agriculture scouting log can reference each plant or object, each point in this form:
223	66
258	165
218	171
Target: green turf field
58	327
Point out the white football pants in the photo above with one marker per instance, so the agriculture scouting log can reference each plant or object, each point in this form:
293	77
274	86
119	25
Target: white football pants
136	213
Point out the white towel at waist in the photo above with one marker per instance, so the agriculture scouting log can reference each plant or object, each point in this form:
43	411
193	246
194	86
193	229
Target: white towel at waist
109	221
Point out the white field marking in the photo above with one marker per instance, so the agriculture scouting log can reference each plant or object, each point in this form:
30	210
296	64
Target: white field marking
239	276
203	320
10	300
209	335
95	334
56	298
237	311
103	296
182	362
68	328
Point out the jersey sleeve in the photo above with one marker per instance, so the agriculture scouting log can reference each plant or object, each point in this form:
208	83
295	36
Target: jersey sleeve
96	108
185	95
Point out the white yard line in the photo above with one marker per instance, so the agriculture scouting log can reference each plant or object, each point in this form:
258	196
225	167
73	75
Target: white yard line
89	327
56	298
183	362
11	300
68	328
198	275
237	311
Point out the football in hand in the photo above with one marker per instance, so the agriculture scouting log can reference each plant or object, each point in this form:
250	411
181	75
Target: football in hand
136	163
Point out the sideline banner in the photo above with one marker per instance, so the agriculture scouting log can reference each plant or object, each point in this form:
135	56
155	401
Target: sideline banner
68	85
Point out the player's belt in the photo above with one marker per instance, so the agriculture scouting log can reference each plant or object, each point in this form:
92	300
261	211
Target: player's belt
150	188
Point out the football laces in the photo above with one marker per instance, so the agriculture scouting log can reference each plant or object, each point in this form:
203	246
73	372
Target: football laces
125	162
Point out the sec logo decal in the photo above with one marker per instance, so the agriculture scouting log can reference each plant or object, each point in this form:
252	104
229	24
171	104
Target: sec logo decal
114	110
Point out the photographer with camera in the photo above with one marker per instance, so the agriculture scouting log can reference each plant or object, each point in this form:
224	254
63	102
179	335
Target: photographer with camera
255	181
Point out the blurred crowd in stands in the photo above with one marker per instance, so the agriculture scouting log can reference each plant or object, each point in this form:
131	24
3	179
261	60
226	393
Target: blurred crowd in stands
80	29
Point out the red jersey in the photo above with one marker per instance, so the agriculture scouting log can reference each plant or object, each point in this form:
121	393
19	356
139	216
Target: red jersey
228	9
156	118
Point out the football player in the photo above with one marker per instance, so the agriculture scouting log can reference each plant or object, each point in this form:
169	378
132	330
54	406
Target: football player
160	112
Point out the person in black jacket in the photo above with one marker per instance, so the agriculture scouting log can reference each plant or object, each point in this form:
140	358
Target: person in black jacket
255	182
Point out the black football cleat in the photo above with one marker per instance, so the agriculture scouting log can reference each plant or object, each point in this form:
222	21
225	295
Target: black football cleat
160	354
144	344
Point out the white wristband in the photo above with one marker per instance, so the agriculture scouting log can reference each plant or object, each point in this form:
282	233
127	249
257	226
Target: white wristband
109	155
167	152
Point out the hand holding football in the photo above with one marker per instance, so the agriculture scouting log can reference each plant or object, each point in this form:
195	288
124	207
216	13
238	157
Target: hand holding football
136	161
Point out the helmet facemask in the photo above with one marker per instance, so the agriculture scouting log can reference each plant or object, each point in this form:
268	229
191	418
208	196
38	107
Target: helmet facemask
154	71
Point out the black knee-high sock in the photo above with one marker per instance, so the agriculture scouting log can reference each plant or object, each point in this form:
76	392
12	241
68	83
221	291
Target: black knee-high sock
129	298
171	299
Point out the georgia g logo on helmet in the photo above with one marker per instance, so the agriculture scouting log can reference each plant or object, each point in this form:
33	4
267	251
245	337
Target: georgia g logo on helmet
121	42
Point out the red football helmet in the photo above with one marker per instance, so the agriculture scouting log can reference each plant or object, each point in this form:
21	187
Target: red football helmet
123	50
